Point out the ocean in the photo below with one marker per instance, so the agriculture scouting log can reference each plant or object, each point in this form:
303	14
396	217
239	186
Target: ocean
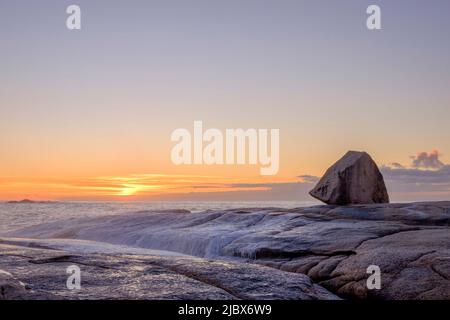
14	216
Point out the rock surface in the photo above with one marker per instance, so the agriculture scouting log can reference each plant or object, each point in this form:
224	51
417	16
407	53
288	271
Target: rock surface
10	288
353	179
145	277
331	245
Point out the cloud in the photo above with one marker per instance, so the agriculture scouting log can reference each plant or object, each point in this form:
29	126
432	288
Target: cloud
306	178
418	176
277	191
427	178
413	184
393	165
427	160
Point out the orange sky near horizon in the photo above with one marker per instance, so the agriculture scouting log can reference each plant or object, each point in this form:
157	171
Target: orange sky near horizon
132	187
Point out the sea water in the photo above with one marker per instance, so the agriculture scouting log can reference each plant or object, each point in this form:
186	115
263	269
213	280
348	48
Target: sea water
15	216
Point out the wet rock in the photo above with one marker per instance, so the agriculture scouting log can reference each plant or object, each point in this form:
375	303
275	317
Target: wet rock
332	245
105	276
11	288
354	179
413	265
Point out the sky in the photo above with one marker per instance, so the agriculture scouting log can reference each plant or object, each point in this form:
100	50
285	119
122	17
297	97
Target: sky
88	114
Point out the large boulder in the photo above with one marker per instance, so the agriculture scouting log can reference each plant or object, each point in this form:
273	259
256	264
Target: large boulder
353	179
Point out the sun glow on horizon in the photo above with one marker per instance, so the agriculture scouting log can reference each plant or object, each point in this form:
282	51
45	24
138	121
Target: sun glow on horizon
131	187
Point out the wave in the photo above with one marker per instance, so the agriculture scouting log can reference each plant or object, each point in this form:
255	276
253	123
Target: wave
205	234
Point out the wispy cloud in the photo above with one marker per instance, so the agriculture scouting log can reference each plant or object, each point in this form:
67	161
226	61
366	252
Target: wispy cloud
281	191
308	178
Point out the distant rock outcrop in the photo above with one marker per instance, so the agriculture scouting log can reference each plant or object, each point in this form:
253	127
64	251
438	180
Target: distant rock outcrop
353	179
28	201
22	201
